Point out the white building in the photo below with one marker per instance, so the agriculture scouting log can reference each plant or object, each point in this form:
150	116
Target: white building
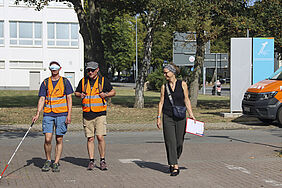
30	40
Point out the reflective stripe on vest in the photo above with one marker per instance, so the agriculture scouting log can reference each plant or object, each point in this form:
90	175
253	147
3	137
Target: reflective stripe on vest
92	100
56	100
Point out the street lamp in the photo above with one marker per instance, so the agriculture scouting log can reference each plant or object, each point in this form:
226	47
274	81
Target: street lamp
136	61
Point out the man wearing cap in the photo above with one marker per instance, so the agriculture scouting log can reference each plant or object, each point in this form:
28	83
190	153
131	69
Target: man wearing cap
94	90
55	97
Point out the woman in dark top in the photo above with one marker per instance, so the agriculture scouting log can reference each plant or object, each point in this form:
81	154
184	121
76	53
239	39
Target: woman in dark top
173	127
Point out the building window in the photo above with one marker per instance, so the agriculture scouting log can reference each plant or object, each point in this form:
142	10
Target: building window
26	33
2	64
1	33
63	34
1	2
26	64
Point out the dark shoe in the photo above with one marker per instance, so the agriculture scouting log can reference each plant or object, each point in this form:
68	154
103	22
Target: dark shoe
175	172
103	165
56	167
91	165
46	166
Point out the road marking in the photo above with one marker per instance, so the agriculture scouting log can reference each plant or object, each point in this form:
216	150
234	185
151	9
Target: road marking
129	160
273	182
69	181
232	167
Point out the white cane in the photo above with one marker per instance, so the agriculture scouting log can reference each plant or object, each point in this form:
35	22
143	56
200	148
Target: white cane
16	150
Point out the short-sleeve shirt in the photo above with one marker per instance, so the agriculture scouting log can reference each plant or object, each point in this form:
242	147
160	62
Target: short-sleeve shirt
43	92
106	88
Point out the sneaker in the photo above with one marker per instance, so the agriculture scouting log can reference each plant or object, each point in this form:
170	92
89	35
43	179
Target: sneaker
103	165
56	167
91	165
46	166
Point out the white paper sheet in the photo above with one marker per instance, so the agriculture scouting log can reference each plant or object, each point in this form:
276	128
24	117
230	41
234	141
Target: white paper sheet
195	127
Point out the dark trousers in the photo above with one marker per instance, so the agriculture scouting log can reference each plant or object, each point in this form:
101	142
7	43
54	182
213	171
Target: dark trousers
174	132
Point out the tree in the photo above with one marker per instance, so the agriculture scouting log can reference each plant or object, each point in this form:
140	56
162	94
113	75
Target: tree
203	18
162	47
89	17
267	16
154	14
118	38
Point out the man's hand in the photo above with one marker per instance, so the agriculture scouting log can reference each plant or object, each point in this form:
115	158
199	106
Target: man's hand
82	95
35	118
103	95
68	119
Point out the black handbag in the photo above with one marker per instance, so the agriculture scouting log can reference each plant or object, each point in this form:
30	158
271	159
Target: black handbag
178	111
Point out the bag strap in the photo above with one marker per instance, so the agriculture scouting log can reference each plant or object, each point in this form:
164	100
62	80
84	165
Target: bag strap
100	86
169	95
47	80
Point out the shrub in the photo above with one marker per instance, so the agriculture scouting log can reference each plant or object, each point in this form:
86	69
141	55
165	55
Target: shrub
156	80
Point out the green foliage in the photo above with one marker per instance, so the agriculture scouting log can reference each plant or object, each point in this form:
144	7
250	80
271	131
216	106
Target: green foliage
118	38
156	79
162	47
267	15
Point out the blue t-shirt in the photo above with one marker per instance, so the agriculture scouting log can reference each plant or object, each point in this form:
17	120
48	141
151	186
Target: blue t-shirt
42	93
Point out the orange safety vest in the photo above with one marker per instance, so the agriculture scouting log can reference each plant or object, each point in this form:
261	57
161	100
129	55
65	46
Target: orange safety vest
92	101
56	100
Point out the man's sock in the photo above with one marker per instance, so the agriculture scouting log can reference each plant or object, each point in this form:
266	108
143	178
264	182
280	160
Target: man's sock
102	159
92	160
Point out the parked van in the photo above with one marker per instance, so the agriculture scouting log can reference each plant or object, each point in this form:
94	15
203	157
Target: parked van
264	99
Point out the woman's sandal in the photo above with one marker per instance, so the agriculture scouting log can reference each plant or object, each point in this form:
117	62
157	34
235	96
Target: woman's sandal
175	172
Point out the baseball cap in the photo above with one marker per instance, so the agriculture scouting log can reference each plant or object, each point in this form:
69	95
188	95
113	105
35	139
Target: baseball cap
92	65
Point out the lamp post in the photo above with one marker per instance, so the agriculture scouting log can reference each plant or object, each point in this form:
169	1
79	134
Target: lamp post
136	61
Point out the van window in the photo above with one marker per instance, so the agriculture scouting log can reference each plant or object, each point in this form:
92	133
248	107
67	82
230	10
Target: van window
277	75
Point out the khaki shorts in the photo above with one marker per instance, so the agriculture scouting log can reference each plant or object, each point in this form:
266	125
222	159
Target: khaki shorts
95	126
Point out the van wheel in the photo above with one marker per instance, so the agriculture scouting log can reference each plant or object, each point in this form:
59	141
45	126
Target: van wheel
266	121
279	117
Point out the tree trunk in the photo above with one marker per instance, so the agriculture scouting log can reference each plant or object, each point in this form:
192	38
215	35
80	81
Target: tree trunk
194	87
89	22
143	69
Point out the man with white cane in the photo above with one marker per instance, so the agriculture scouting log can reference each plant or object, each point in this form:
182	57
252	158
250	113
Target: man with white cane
55	96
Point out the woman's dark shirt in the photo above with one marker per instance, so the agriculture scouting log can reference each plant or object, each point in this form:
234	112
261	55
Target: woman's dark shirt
177	97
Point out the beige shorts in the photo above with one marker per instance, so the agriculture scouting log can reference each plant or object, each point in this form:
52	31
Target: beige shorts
95	126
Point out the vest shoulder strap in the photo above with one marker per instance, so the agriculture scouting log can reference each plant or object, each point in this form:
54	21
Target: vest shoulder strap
84	84
46	80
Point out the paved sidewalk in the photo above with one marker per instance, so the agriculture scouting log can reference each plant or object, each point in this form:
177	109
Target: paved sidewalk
221	159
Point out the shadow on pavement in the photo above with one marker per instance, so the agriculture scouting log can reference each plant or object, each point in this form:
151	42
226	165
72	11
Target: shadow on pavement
36	161
239	140
154	166
77	161
253	121
18	134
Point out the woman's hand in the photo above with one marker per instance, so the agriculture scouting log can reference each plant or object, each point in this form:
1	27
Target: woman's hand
159	123
192	117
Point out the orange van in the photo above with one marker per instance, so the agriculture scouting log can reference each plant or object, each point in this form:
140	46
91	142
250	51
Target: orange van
264	99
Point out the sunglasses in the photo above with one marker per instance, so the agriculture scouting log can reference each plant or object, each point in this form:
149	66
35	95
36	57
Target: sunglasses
91	70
